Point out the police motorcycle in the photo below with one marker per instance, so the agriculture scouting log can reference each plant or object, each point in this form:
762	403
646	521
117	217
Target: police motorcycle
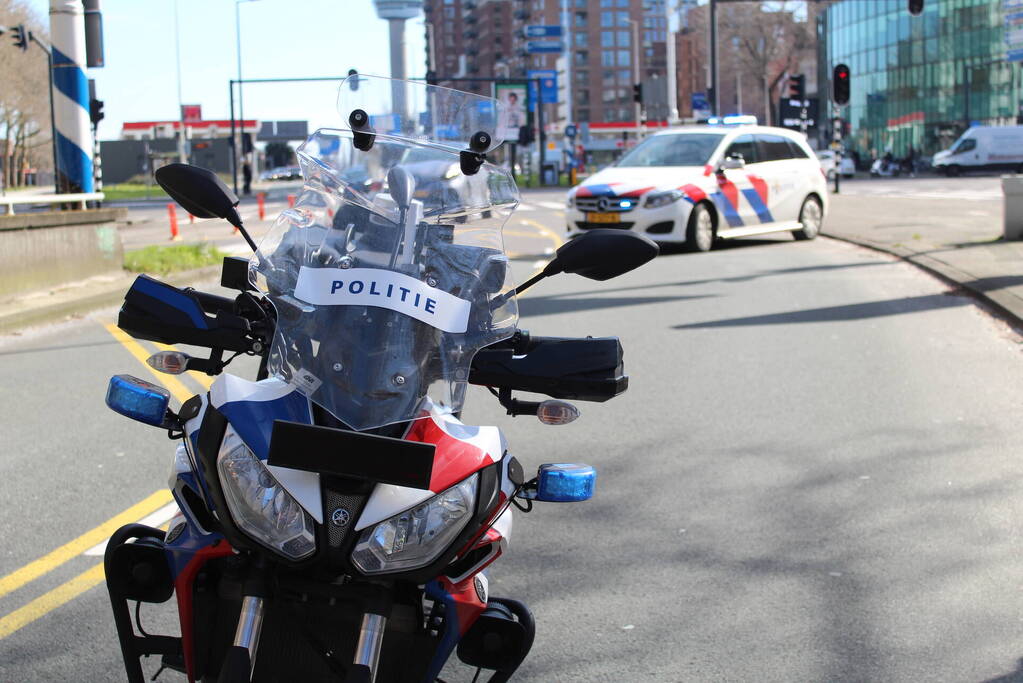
336	515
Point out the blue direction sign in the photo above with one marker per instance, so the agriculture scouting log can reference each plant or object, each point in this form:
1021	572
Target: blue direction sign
570	131
548	86
538	47
542	31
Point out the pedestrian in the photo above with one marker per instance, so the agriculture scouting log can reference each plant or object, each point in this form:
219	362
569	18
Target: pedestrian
246	179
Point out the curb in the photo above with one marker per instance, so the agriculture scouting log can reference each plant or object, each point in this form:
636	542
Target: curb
109	296
1004	303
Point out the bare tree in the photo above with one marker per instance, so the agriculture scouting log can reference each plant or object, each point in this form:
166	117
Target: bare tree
25	139
766	42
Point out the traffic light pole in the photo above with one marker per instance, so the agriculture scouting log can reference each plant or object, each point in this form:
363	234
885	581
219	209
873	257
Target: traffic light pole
53	118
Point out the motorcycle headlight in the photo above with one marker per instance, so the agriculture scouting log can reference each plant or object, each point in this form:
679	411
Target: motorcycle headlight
416	537
655	199
453	171
259	505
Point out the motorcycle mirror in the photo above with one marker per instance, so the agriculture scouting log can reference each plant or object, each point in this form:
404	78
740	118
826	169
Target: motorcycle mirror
201	193
401	185
599	254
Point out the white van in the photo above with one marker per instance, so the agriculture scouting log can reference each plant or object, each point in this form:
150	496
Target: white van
983	147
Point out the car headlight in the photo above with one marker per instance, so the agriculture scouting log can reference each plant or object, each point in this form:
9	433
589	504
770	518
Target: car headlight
416	537
655	199
259	505
571	201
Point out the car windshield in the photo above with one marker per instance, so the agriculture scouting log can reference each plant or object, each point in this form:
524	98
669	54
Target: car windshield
682	149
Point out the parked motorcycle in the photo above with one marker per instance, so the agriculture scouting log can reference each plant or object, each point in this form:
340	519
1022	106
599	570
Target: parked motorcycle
336	515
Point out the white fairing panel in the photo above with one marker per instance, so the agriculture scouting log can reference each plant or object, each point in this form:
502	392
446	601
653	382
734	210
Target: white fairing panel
387	500
303	486
229	388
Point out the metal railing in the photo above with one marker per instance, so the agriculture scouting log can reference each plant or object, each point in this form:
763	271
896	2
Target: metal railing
79	198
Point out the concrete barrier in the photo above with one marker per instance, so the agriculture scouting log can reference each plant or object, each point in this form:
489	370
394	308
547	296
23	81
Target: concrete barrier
1012	198
45	250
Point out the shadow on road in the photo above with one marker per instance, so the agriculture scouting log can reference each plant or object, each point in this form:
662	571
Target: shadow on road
44	349
724	245
863	311
1011	677
538	306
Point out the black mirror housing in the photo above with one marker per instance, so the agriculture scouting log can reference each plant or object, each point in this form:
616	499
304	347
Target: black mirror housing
602	254
199	191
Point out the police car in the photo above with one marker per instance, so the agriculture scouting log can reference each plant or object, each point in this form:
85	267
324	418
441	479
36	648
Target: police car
695	184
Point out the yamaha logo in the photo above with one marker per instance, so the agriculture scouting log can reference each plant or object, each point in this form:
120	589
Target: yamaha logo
340	517
603	203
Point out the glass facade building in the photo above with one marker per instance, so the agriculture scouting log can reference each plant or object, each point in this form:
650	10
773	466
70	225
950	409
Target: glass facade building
919	81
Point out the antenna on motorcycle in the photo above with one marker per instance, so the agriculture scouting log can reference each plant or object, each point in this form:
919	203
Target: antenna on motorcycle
201	193
599	254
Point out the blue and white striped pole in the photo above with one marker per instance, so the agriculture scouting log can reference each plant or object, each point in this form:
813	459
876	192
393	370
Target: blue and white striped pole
71	97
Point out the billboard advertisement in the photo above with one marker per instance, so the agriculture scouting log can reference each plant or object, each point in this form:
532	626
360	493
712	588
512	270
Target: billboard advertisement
512	116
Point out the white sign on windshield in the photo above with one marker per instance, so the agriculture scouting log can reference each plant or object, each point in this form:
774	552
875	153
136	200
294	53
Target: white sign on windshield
384	289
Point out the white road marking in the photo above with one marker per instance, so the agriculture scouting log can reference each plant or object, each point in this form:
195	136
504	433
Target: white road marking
557	206
525	207
162	515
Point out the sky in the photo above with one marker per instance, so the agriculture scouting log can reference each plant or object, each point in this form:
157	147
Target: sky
280	39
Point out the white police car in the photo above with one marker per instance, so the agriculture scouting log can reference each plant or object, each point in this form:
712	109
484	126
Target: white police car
694	184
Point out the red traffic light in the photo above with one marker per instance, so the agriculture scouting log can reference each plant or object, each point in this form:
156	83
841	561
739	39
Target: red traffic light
840	84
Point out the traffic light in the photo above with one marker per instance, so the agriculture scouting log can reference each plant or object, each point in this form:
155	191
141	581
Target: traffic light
353	79
637	92
95	111
916	7
840	84
20	37
526	135
797	87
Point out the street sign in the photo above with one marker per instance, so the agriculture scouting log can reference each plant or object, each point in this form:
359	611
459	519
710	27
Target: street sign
700	104
541	47
542	31
570	131
548	86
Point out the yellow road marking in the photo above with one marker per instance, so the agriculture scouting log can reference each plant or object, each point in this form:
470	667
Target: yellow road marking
200	377
54	559
50	601
544	230
134	348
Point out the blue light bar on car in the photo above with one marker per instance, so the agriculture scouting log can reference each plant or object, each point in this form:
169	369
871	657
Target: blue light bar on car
138	399
565	483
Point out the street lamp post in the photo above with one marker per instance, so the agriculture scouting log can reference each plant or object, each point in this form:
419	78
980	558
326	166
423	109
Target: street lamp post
239	152
635	72
182	149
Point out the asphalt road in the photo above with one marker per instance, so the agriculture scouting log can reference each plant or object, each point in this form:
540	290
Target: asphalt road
813	477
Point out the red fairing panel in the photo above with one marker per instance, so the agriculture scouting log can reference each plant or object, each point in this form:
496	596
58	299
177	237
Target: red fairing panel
461	450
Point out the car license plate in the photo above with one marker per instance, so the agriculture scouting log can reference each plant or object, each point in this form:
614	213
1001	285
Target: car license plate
605	217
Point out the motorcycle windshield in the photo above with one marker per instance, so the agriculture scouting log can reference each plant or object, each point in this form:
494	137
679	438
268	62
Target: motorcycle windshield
425	113
388	274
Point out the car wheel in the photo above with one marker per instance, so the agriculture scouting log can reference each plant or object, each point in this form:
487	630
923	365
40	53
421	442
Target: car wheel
810	216
954	170
700	229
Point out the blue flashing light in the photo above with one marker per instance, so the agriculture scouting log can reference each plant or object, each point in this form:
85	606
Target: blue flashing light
565	483
138	399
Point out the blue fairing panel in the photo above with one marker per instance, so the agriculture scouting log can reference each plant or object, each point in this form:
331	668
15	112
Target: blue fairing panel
254	420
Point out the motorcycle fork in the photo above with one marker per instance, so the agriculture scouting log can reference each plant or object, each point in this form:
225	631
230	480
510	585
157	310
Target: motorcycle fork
371	638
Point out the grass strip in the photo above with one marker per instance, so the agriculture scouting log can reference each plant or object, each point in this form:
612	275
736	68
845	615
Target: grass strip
166	259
